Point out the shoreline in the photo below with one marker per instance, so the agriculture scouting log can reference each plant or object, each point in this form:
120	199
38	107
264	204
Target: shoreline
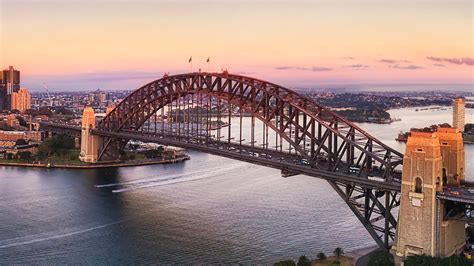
99	165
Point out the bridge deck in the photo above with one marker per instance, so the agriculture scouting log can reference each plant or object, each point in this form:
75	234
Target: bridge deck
261	157
457	194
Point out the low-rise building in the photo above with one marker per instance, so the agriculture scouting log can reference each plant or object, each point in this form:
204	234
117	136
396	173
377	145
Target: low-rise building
14	135
175	151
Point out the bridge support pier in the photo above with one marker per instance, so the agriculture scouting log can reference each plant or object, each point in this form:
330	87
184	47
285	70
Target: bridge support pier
422	226
89	142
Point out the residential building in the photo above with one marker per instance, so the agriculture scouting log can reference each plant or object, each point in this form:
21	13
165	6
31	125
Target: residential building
21	100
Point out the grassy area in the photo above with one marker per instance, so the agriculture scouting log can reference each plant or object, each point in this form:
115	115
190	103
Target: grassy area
334	261
135	155
70	157
381	257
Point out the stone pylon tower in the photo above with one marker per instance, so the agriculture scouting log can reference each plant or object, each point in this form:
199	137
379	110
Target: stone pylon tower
422	228
89	142
452	152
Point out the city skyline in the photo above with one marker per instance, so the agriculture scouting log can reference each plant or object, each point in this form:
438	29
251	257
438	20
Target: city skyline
122	45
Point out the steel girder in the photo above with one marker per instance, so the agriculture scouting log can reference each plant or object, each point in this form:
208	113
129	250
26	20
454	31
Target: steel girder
310	129
280	108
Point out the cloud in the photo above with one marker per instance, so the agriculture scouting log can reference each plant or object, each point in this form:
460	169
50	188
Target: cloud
290	67
314	69
317	69
358	66
439	65
436	59
388	61
393	61
410	67
348	57
457	61
243	73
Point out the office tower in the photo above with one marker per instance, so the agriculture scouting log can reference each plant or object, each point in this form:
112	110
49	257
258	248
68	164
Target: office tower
458	113
9	83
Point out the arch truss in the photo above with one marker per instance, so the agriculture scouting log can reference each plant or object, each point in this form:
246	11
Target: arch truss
265	123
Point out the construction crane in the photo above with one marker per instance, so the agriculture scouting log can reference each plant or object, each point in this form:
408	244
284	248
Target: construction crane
49	96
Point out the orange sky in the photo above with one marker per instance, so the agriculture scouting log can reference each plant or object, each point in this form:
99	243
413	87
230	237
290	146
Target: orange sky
123	44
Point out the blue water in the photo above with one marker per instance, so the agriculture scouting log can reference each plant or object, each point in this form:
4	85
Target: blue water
206	210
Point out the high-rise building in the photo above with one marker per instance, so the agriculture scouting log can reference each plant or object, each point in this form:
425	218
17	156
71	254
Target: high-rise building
458	113
9	83
21	100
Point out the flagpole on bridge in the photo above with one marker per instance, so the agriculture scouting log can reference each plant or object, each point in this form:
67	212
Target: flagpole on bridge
208	64
190	61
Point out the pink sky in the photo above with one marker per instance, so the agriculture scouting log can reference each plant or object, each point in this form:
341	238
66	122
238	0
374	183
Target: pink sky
124	44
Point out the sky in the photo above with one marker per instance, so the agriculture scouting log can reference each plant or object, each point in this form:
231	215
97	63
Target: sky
89	44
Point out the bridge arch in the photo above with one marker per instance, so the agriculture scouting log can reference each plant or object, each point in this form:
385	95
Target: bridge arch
352	155
295	118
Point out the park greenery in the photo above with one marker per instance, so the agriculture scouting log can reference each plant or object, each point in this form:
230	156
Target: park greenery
321	259
381	258
60	149
384	258
425	260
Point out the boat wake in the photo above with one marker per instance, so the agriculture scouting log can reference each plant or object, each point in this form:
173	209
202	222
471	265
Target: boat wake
3	244
173	179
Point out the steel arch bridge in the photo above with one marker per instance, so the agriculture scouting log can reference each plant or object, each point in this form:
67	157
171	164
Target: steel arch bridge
260	122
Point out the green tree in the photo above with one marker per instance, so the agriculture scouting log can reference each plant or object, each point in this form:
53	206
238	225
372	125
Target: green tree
57	145
338	252
22	121
380	258
24	155
63	111
153	153
303	261
425	260
321	256
20	142
285	263
470	233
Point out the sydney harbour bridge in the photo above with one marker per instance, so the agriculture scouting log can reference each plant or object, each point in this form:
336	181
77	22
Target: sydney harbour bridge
263	123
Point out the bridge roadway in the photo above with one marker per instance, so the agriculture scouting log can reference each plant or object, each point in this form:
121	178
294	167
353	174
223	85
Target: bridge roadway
461	194
259	156
270	158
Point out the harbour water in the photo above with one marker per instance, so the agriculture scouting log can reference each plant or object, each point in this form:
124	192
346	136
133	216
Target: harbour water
206	210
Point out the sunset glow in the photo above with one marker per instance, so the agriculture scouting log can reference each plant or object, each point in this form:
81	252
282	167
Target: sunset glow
122	44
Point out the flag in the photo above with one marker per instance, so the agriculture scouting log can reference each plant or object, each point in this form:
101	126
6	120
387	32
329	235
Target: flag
190	59
207	60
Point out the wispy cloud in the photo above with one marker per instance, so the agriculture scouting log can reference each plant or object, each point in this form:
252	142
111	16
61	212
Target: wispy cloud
358	66
314	69
457	61
243	73
290	68
348	58
317	69
393	61
409	67
439	65
388	61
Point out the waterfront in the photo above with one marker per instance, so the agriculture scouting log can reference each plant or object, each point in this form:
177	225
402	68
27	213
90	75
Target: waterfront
207	210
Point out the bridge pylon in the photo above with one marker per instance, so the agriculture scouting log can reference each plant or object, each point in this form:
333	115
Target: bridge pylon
89	142
422	225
